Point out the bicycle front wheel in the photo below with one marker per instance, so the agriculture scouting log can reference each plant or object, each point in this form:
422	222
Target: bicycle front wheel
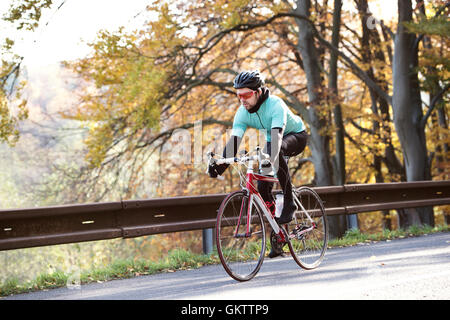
308	230
240	239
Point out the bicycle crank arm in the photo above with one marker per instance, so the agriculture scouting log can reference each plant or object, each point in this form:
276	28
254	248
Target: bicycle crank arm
300	231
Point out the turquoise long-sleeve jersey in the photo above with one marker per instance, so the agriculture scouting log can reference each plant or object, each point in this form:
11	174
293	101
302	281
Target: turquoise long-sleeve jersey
273	113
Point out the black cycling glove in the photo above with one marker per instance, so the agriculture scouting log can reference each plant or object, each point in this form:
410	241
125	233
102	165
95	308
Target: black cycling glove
215	170
212	170
230	150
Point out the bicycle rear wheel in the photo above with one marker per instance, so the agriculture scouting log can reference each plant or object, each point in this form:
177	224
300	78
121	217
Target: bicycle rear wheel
240	245
308	237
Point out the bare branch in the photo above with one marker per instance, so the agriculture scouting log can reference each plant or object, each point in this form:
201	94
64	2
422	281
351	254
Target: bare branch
214	40
433	104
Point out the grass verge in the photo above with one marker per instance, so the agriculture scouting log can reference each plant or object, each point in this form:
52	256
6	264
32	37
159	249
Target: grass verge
179	259
354	236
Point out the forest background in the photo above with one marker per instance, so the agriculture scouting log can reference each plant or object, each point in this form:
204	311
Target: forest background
372	93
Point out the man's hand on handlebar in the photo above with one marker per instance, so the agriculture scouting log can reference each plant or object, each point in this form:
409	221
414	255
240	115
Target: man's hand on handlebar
213	170
216	167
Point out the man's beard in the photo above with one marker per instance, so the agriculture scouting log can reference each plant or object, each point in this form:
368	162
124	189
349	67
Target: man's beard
261	98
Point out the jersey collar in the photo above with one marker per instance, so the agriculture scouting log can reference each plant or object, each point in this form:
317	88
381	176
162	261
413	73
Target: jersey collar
262	98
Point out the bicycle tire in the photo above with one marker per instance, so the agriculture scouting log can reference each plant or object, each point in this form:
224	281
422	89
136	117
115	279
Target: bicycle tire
241	256
308	247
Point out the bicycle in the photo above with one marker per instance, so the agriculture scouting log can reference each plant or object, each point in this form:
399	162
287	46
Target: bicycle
241	230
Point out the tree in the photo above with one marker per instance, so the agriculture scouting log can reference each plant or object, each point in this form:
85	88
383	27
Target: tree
318	115
408	113
434	62
24	14
179	69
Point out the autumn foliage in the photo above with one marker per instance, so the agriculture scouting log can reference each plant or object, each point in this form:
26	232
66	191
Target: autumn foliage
334	68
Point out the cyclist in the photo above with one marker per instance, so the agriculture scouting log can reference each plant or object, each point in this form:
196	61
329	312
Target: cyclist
285	136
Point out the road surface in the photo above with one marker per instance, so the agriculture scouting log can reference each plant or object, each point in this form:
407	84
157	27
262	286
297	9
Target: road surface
409	268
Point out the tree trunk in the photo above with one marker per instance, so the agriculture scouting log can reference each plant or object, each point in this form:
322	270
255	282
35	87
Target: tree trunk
371	51
319	142
339	158
332	85
407	107
438	118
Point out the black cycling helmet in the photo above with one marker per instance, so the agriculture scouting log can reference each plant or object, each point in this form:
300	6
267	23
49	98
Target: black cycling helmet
248	79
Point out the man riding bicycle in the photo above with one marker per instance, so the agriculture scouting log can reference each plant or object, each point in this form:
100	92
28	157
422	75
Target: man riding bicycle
285	136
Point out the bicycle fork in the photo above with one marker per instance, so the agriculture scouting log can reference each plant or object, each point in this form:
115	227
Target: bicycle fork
245	207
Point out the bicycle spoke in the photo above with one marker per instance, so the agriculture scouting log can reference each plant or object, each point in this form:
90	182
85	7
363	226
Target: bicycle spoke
308	239
241	247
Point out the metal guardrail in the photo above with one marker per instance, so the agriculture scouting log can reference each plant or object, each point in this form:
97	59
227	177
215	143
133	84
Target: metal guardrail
24	228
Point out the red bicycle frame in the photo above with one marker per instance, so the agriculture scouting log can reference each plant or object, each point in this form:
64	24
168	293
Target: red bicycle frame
252	192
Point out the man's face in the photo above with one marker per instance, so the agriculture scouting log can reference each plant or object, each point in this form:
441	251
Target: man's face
247	97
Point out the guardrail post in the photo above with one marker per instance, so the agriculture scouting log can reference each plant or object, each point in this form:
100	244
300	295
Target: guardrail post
352	221
207	240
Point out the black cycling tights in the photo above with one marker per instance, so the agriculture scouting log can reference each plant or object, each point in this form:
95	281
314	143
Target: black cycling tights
292	145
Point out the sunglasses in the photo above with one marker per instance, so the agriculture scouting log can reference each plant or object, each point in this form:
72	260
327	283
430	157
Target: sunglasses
245	95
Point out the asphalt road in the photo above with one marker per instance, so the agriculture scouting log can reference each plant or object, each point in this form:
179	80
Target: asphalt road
410	268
